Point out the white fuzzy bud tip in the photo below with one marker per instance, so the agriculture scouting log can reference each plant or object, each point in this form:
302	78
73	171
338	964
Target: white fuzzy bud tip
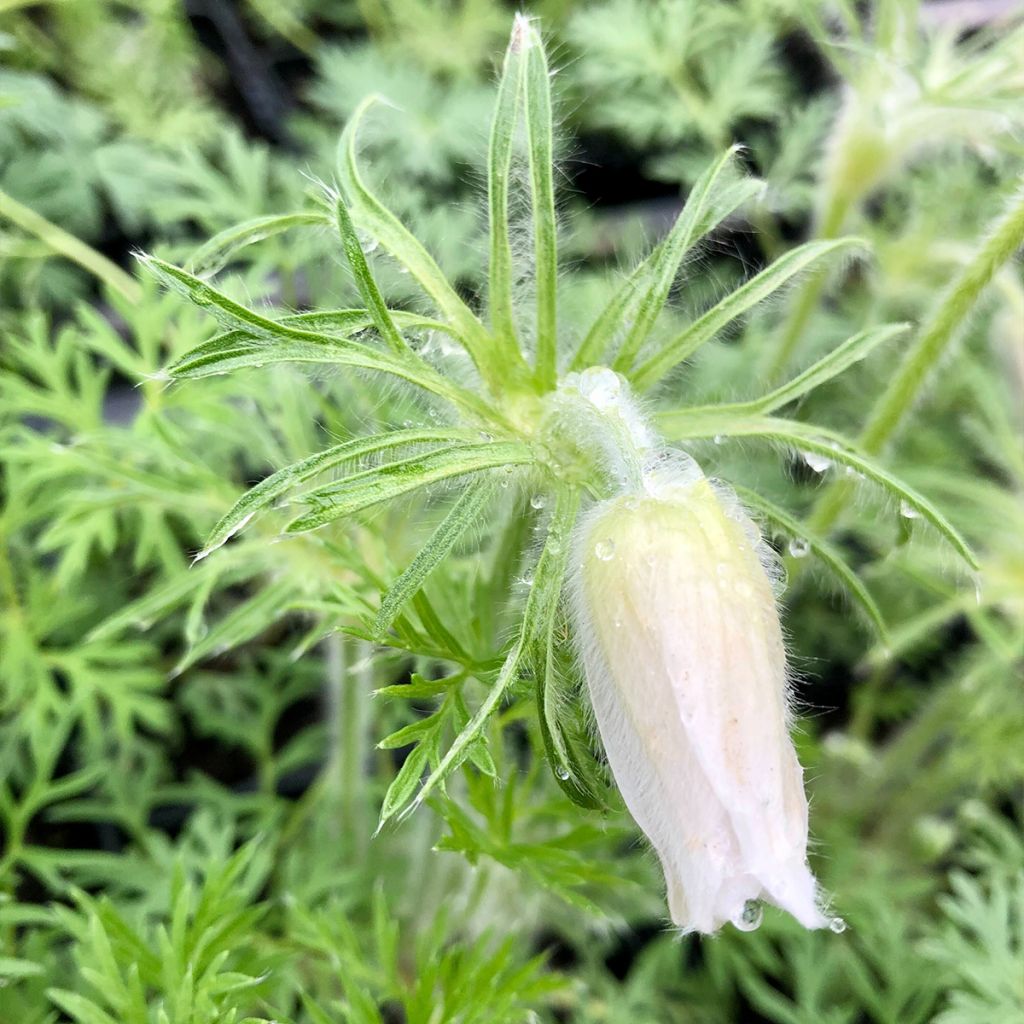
682	648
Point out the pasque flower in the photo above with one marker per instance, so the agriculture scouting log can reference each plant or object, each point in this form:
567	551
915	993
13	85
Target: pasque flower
683	653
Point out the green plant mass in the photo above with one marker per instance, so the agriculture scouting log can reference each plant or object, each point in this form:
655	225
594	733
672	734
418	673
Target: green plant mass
511	538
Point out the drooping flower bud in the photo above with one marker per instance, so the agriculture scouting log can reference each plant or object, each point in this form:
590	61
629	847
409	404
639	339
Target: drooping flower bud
683	652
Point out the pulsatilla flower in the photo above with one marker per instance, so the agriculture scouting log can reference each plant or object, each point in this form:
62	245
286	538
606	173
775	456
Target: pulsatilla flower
683	653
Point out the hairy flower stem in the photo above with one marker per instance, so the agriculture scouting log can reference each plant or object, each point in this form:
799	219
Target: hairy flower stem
69	247
349	688
898	399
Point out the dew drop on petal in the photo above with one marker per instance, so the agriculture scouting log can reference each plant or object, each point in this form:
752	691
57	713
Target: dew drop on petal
798	547
750	917
562	772
537	501
908	511
837	925
605	550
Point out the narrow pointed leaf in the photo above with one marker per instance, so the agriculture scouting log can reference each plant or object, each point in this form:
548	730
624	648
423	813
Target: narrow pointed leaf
212	255
540	136
371	214
466	512
362	490
234	350
832	446
249	619
735	305
839	359
280	483
693	221
546	589
499	163
709	208
367	286
829	555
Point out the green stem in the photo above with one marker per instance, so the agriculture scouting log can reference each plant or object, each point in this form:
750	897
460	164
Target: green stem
898	399
69	247
349	690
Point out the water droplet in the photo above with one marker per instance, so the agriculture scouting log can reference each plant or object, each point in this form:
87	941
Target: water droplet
562	772
750	917
537	501
718	438
601	385
908	511
605	550
817	463
837	925
798	547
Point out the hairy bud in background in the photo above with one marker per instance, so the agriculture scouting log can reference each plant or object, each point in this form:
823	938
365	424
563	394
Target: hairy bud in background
683	652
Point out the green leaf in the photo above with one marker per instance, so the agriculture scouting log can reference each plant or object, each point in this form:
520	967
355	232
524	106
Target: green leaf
703	210
371	215
545	591
499	163
829	555
239	349
839	359
540	144
734	305
273	487
246	621
13	968
361	490
212	255
466	512
368	290
843	356
832	446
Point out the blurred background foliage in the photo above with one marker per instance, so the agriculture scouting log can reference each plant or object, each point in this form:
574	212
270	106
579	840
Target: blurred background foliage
190	774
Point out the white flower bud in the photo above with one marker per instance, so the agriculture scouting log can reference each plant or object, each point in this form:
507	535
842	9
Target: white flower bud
683	653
